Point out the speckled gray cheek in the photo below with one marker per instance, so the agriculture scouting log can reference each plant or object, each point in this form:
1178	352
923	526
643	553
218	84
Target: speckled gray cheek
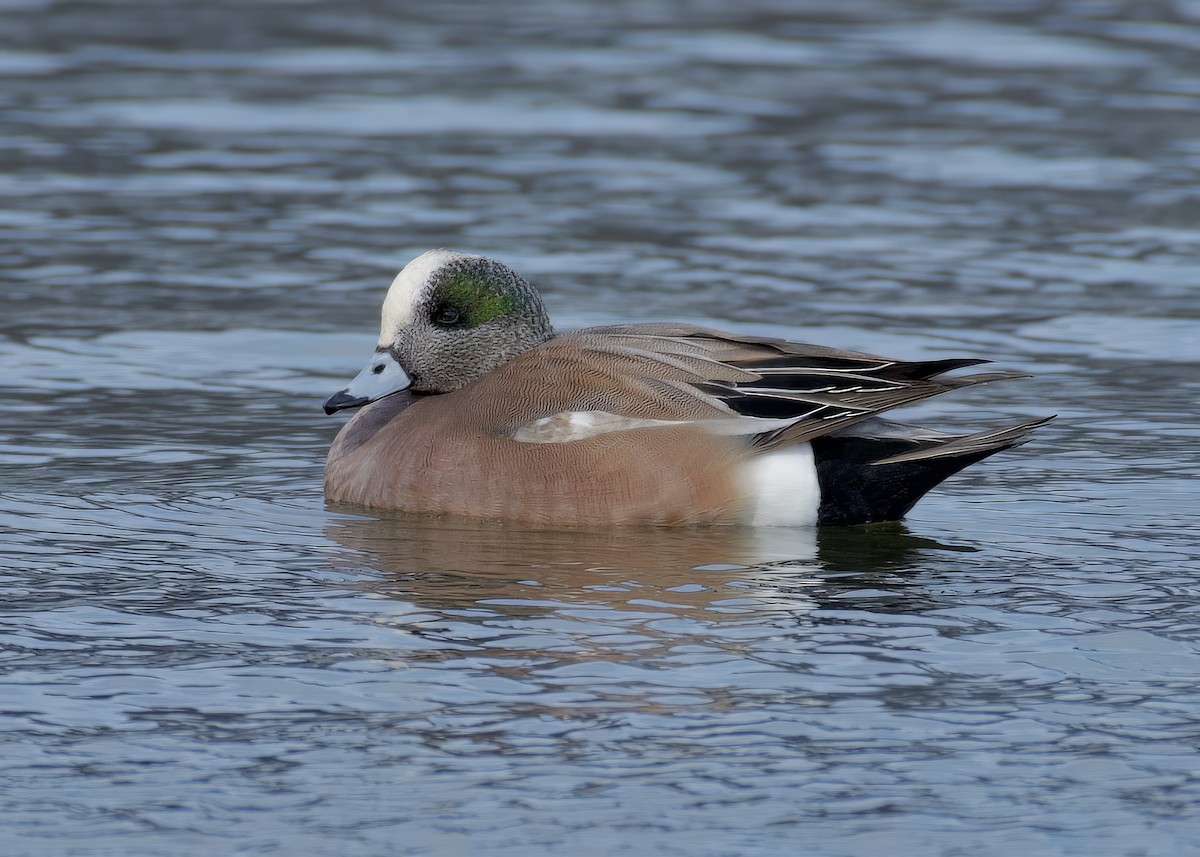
404	349
431	356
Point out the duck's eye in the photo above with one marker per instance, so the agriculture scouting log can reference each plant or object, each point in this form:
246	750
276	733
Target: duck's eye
447	315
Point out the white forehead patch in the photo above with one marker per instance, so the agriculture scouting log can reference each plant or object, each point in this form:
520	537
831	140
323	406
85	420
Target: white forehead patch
403	293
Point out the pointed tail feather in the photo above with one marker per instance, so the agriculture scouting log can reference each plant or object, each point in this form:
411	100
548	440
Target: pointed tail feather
987	441
880	475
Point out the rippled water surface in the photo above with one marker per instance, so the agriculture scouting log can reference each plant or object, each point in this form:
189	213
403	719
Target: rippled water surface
200	208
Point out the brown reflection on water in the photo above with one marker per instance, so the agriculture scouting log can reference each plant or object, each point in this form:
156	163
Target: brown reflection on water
448	564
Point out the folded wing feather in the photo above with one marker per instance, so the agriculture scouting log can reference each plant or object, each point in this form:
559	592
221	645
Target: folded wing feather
776	392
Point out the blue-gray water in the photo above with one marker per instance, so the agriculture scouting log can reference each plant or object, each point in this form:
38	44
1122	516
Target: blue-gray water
201	205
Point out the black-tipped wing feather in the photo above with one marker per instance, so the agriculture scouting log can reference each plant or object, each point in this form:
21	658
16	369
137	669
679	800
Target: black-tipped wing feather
695	373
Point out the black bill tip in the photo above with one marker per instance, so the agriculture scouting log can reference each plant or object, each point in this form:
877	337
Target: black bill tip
341	400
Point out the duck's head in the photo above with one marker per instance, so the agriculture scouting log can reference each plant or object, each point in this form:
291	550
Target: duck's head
448	319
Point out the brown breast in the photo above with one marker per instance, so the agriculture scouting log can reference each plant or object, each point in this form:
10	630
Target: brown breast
427	456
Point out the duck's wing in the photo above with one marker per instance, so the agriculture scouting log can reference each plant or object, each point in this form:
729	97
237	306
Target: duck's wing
814	389
772	391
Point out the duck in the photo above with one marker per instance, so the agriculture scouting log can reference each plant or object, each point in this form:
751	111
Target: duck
473	406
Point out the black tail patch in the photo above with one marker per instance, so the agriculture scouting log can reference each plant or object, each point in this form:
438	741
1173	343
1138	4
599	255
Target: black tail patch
858	485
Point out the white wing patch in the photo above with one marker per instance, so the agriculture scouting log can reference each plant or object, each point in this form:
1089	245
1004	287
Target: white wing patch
568	426
576	425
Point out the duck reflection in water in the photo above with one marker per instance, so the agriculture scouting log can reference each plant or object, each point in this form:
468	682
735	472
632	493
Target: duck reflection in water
456	564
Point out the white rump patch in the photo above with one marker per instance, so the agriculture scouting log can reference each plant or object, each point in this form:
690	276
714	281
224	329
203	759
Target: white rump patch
404	290
782	488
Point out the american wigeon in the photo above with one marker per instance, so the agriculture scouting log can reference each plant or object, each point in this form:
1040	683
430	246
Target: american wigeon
474	407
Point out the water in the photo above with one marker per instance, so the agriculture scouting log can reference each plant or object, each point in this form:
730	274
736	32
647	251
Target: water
200	208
